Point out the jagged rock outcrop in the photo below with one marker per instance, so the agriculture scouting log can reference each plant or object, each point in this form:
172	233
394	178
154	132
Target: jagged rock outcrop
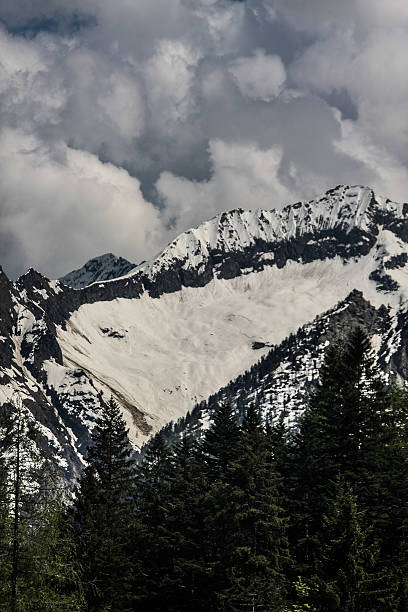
98	269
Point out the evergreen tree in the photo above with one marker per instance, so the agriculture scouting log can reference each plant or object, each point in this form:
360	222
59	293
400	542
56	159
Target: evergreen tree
4	528
351	430
312	462
40	571
53	582
345	564
221	442
216	454
390	512
281	449
19	456
102	512
256	555
154	541
278	441
185	520
339	434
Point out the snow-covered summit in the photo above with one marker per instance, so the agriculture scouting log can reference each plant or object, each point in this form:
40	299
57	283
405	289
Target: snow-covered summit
263	236
104	267
165	335
345	208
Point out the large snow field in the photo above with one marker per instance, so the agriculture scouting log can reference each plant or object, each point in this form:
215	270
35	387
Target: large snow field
180	348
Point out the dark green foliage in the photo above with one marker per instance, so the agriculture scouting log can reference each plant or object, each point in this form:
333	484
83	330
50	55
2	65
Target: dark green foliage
352	431
53	580
39	569
211	524
5	530
256	556
221	442
154	540
216	454
103	512
344	568
186	518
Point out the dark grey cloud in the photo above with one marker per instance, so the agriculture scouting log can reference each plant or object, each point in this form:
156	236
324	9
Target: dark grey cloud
66	25
124	123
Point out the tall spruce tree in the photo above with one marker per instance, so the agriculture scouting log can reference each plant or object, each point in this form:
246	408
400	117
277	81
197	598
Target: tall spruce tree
19	458
54	570
103	511
218	450
312	462
221	442
257	550
154	541
185	519
345	576
389	514
350	431
4	527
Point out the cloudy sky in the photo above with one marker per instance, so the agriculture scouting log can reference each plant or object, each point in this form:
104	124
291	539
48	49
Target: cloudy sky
123	123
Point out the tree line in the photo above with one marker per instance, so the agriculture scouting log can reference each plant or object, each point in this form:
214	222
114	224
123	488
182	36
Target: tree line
249	517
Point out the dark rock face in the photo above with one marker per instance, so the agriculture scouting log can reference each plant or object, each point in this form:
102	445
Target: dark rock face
258	345
397	261
40	346
8	319
399	228
305	247
102	268
112	333
23	354
384	281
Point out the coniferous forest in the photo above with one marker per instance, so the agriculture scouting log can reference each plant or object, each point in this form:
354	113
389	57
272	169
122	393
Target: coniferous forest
249	517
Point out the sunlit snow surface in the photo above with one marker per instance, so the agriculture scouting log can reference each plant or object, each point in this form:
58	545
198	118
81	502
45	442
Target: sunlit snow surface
174	351
345	207
158	357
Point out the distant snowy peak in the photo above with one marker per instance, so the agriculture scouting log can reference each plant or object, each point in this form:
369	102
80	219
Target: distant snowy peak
102	268
343	208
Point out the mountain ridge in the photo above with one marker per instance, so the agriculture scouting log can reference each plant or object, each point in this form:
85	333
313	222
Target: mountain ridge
342	208
175	329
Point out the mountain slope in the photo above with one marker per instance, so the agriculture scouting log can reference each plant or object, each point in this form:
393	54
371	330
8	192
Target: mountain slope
174	330
280	382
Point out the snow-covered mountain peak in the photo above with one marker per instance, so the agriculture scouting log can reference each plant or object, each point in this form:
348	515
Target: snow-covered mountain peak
343	208
165	335
104	267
